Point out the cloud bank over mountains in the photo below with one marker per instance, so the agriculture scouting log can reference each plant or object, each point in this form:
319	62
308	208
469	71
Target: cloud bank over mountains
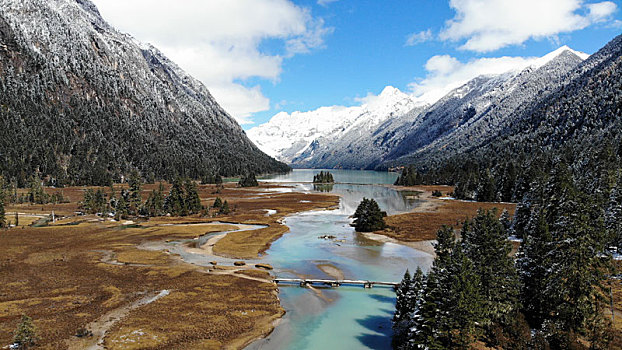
219	42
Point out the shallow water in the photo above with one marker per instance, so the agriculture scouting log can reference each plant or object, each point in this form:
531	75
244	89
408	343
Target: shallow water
344	317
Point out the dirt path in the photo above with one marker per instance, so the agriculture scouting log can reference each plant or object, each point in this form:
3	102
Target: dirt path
101	326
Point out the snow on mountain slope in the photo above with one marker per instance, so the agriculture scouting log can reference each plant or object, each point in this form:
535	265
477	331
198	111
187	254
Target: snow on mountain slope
287	136
92	103
481	117
395	124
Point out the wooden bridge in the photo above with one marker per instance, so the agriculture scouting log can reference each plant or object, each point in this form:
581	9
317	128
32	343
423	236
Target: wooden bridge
305	282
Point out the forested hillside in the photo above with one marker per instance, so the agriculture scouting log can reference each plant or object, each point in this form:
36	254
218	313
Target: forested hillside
82	103
561	159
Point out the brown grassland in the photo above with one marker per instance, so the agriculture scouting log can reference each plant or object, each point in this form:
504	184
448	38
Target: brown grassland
422	223
83	271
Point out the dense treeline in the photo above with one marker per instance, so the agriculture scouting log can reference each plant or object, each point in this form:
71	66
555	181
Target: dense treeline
75	110
550	296
561	161
181	200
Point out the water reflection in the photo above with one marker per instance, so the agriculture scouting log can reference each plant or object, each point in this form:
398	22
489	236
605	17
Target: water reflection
323	187
340	176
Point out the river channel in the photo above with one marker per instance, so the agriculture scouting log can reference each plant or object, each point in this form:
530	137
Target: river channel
344	317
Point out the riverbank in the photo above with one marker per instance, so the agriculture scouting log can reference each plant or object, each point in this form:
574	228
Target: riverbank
418	227
79	270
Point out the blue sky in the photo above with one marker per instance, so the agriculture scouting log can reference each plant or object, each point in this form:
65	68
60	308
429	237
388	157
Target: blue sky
260	57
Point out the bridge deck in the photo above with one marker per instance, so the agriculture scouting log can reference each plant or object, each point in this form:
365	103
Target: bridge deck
333	283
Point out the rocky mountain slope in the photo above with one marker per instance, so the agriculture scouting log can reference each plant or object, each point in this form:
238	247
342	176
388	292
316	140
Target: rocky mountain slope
305	138
583	110
482	108
465	115
83	103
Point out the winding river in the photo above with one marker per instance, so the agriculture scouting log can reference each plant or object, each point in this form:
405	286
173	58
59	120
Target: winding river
344	317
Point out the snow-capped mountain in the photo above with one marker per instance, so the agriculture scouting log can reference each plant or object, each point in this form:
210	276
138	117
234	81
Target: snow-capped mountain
91	102
288	136
366	136
483	106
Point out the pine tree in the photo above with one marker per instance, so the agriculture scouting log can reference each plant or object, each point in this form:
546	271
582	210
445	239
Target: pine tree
135	200
485	243
225	208
3	222
486	189
431	315
613	216
522	215
154	206
121	208
505	221
533	261
408	298
463	304
192	200
560	263
508	182
409	177
217	203
368	217
36	194
401	304
25	334
248	180
175	201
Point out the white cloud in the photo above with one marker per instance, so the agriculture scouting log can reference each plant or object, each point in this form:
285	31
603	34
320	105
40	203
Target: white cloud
445	73
601	12
218	41
417	38
488	25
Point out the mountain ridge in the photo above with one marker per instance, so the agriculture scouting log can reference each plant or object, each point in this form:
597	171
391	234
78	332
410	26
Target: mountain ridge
100	104
400	133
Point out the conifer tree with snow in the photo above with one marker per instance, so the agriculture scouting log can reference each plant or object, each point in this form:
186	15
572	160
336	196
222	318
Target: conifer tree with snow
506	221
3	222
533	260
561	262
613	217
431	316
485	243
577	270
523	212
401	317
